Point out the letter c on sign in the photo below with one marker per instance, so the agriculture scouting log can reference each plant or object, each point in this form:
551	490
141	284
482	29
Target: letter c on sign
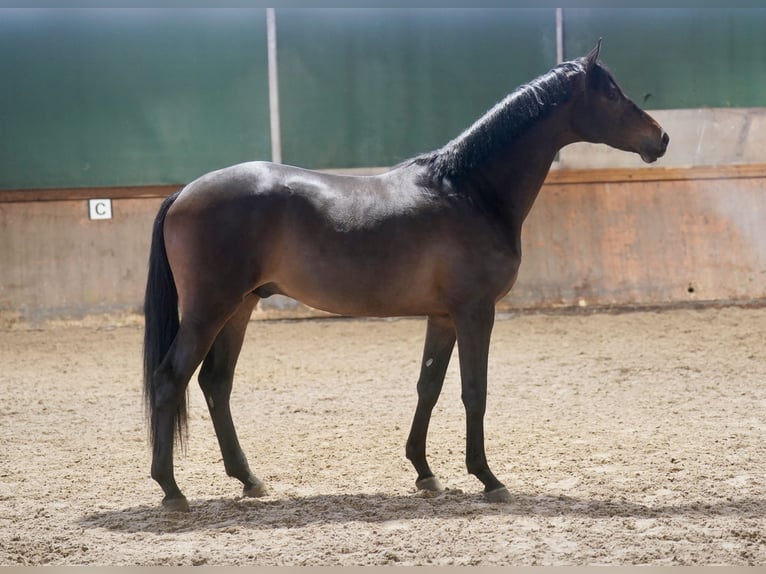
100	208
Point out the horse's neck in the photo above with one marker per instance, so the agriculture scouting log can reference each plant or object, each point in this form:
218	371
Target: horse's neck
519	172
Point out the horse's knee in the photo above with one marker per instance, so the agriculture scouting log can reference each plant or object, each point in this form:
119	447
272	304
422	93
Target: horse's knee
429	389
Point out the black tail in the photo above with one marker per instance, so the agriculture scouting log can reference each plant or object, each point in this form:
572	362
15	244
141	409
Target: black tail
161	319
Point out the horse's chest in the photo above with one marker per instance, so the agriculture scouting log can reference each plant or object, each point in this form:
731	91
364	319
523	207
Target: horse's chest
507	285
506	277
491	273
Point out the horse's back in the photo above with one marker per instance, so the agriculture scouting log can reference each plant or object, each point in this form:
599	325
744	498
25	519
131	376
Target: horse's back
317	237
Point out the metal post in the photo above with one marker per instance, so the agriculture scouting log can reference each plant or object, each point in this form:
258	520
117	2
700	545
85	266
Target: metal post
559	35
271	40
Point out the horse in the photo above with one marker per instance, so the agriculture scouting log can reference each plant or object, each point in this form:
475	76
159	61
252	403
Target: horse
436	236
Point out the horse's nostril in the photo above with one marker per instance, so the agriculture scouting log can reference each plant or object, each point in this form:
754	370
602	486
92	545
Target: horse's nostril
665	138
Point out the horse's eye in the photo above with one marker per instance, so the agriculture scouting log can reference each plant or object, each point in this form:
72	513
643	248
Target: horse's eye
612	93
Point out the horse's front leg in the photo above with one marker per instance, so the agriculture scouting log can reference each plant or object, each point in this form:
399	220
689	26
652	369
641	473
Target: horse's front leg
474	329
440	340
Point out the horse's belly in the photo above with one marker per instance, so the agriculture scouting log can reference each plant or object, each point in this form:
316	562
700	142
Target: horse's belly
362	290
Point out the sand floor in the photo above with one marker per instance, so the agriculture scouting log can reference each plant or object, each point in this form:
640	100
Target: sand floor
633	438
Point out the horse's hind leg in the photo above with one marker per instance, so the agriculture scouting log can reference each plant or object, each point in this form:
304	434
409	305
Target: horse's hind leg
170	381
216	378
440	340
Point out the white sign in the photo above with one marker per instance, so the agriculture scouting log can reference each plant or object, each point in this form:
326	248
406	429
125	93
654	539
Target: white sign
100	208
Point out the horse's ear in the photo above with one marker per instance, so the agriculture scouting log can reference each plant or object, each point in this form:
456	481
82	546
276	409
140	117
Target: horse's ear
592	58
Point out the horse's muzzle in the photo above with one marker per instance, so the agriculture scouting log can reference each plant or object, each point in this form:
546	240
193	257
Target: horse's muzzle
651	153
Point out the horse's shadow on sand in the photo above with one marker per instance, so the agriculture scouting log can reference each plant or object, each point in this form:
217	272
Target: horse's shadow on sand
270	513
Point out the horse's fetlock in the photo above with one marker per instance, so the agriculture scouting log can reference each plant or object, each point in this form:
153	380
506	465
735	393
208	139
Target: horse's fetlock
476	465
159	476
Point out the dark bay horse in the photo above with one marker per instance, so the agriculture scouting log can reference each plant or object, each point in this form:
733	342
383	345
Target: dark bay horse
436	236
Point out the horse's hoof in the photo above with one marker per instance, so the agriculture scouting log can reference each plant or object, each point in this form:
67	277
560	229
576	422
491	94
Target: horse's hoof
431	483
255	490
176	504
498	495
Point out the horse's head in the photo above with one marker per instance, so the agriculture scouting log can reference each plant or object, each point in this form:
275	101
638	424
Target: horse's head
604	114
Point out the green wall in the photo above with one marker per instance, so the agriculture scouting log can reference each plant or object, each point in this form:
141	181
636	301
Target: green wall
94	98
376	86
129	97
683	58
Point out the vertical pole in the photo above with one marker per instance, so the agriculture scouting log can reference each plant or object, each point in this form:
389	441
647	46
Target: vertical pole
559	35
559	49
271	40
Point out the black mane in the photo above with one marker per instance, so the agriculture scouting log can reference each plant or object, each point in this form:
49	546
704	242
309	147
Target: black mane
505	122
